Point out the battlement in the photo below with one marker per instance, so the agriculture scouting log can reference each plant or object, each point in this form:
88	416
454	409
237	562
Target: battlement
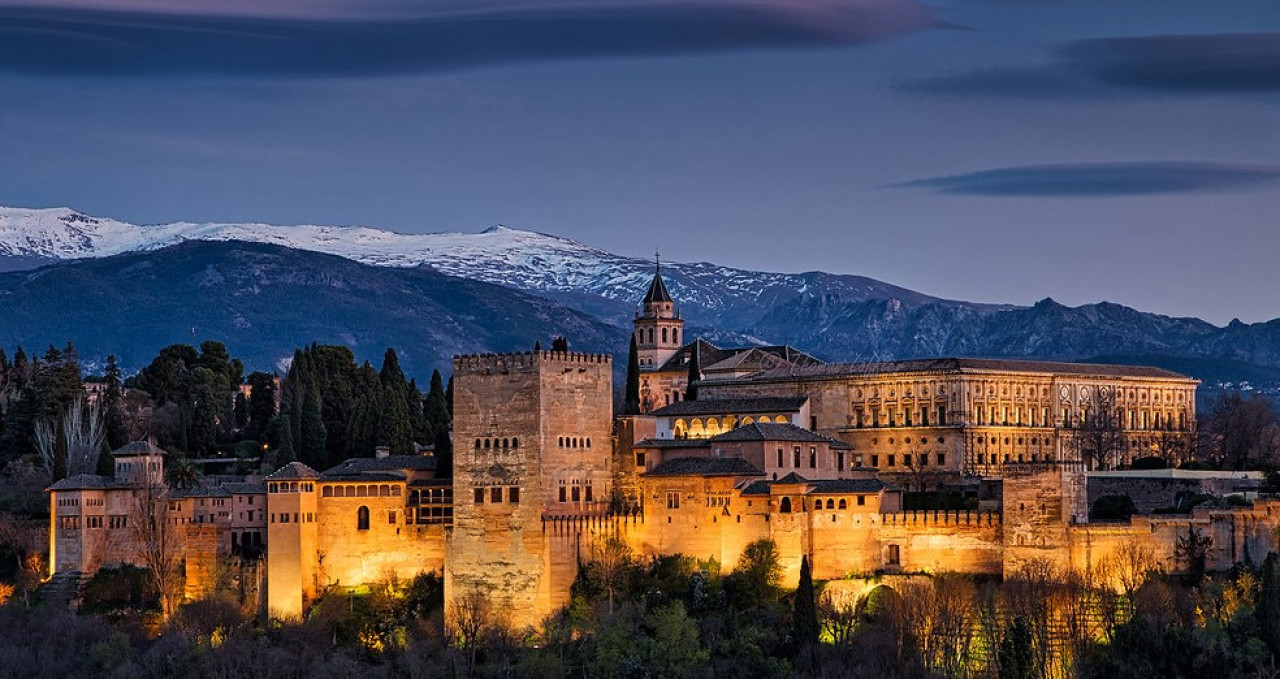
1032	468
524	361
942	517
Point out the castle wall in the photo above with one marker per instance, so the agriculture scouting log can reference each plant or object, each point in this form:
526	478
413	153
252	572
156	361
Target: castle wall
390	549
943	541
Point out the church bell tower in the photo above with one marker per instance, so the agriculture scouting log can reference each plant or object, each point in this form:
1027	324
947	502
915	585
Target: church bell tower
658	325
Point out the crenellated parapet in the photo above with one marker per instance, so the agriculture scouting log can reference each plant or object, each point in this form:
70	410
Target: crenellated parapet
484	364
942	517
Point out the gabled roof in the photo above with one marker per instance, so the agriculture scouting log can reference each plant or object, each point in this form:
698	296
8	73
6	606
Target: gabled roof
791	479
294	471
705	466
712	355
733	406
756	488
772	431
390	463
138	448
657	290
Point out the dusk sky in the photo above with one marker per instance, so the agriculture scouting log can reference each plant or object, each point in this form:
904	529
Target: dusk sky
987	150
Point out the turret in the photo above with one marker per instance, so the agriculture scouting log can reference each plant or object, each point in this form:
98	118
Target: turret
658	326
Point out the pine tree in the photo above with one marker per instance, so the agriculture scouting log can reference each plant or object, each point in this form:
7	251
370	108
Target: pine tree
632	401
804	621
695	374
560	345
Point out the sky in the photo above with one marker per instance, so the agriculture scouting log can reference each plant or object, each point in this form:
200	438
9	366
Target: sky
986	150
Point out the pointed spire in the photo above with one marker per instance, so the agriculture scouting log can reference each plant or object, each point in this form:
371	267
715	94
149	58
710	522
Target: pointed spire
657	288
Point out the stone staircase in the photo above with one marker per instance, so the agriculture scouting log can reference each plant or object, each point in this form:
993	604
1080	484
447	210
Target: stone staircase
62	590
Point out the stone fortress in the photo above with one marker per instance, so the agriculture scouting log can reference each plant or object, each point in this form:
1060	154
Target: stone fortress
777	445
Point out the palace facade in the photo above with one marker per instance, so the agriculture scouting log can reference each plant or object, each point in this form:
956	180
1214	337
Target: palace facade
817	457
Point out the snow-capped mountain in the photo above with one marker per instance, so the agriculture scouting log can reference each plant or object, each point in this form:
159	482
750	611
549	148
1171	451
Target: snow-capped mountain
521	259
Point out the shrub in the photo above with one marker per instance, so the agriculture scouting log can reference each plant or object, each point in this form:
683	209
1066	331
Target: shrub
1112	508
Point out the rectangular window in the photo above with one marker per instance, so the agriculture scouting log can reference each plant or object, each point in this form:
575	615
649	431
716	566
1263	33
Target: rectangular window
813	457
577	493
590	496
893	418
795	457
906	419
862	500
673	500
513	495
875	460
857	418
495	494
891	460
391	516
640	459
924	459
813	422
480	496
564	494
924	417
906	459
942	459
779	457
894	556
840	462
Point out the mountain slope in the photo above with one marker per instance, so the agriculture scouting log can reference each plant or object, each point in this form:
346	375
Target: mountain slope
265	300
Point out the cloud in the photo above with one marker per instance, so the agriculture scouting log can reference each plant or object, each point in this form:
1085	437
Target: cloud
1102	180
336	38
1231	63
1241	62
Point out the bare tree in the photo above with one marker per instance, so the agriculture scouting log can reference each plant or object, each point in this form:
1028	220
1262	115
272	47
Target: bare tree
72	443
26	540
1127	568
612	558
1100	437
839	615
159	542
472	619
1175	446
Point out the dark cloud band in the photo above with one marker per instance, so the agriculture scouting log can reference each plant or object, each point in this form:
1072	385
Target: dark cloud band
1088	69
1102	180
95	42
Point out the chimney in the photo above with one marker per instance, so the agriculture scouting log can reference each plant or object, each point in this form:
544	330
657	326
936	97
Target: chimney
382	451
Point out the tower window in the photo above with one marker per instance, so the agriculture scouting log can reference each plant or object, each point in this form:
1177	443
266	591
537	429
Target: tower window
495	494
362	518
664	335
675	335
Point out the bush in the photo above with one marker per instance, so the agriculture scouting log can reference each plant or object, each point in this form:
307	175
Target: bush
1150	462
121	587
1112	508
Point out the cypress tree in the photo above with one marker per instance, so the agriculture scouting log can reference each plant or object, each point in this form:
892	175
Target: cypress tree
448	397
311	448
418	422
1268	608
695	374
395	429
631	404
262	404
285	453
1015	655
117	433
436	407
560	345
444	454
804	621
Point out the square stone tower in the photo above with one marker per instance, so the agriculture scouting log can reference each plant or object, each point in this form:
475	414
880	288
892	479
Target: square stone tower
531	436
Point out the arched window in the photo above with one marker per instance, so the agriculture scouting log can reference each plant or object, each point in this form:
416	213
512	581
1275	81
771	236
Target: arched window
664	335
831	504
588	441
327	491
675	335
785	506
506	443
515	442
650	335
843	504
362	518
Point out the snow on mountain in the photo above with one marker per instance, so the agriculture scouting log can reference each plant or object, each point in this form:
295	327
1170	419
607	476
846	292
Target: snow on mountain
521	259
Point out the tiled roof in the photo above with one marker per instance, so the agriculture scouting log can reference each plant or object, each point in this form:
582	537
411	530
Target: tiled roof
246	488
756	488
709	355
294	471
199	490
772	431
83	482
733	406
390	463
956	365
705	466
363	476
430	483
657	290
791	479
138	448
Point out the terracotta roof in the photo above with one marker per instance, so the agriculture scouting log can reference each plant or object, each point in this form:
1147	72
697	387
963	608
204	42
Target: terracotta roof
756	488
705	466
955	365
733	406
294	471
772	431
364	477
